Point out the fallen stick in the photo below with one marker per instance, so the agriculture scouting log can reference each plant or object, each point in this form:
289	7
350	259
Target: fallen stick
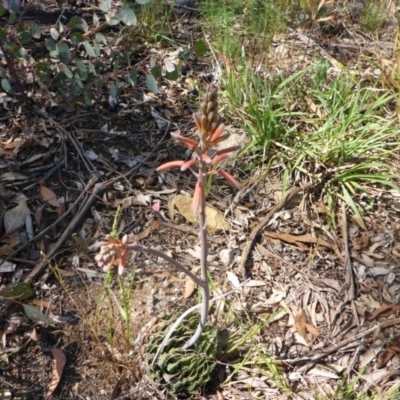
264	222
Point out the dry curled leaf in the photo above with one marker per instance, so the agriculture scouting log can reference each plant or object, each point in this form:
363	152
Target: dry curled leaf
386	310
190	285
49	196
388	354
59	361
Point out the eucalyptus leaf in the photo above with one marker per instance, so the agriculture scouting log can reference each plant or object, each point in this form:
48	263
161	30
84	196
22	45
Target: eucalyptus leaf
76	38
67	71
151	83
64	53
54	33
24	54
171	71
113	18
95	19
12	5
5	84
186	54
100	38
2	10
19	291
128	16
156	72
50	45
89	49
25	37
105	5
78	24
143	2
88	96
3	35
83	73
96	49
35	314
34	30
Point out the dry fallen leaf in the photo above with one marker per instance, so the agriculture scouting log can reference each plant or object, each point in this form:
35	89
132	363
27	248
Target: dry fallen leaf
215	220
14	219
386	310
190	285
389	352
49	196
59	361
313	330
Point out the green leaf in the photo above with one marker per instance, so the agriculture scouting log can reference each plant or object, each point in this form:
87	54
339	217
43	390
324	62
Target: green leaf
64	53
51	45
19	291
171	71
200	48
76	38
67	71
44	70
113	18
143	1
25	37
34	30
185	55
95	19
96	49
133	75
105	5
3	35
83	73
78	24
5	84
12	5
156	72
151	83
24	54
88	96
35	314
54	34
78	80
11	18
128	16
100	38
92	68
89	49
2	10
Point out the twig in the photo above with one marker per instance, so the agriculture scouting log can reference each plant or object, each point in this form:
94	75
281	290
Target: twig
264	222
60	219
97	191
349	283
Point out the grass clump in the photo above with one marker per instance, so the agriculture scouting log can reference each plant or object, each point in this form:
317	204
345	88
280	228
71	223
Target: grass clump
334	131
236	26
